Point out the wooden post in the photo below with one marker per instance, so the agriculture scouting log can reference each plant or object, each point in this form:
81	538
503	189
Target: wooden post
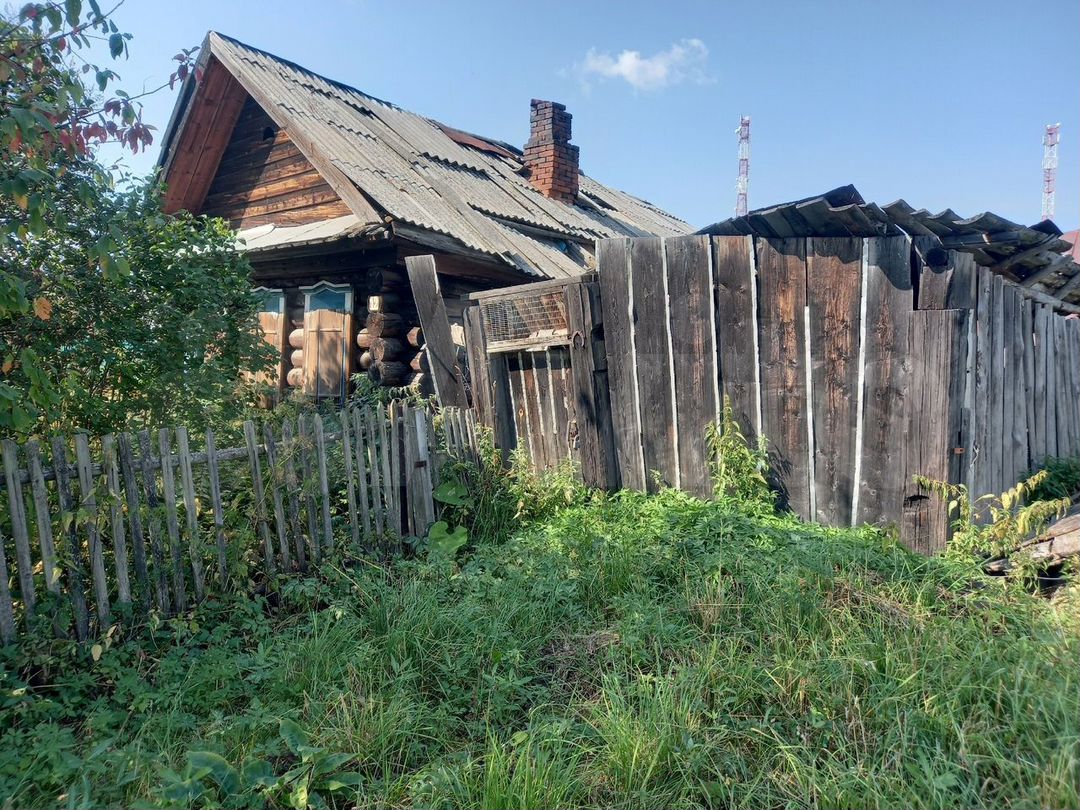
21	535
187	483
116	513
156	551
260	496
276	497
219	511
172	525
131	493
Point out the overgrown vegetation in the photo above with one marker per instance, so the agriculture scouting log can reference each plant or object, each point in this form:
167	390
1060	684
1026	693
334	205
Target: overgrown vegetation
580	650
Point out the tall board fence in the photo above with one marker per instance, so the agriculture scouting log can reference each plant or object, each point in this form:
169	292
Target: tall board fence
864	362
142	520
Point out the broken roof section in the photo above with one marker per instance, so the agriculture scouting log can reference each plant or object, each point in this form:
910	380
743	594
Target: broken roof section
428	180
1036	257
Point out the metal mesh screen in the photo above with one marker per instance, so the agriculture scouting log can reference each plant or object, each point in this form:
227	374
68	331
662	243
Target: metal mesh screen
533	317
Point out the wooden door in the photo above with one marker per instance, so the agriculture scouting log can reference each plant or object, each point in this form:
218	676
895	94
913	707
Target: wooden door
327	327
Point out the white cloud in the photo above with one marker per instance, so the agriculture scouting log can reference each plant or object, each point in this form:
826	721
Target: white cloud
684	61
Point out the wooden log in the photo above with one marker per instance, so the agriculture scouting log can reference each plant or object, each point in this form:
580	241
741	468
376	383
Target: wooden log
296	316
276	496
19	531
296	338
384	324
417	362
388	373
157	552
131	494
415	336
365	361
383	349
116	516
364	338
187	483
295	377
216	506
1059	542
416	381
260	496
172	524
296	359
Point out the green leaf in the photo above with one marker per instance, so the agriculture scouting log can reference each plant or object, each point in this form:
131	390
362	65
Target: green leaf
223	774
445	543
258	773
451	492
293	735
116	45
346	779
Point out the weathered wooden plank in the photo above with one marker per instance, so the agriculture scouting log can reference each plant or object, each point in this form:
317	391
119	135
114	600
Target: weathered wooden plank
374	449
7	608
19	530
946	277
1027	331
131	495
1010	315
503	412
1072	327
187	484
350	477
997	386
834	297
425	503
40	496
292	492
479	376
409	488
217	508
276	498
259	494
157	551
324	483
938	347
1062	407
524	438
386	472
442	352
736	328
545	410
559	366
781	265
88	507
76	578
116	515
308	483
1050	375
693	354
886	375
533	412
359	463
396	477
1017	385
652	346
168	497
613	261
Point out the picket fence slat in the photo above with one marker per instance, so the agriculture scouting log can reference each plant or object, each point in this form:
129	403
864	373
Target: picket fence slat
324	484
187	484
275	494
213	475
19	531
292	489
172	524
116	517
40	495
375	447
157	551
75	577
260	497
350	477
307	482
7	609
360	449
131	495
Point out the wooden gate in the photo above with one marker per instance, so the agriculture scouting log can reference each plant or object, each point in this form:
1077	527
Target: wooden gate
539	373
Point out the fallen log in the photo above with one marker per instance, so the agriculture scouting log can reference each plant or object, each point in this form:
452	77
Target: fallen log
1059	542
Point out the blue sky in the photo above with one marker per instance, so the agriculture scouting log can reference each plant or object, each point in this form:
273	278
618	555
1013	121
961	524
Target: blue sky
941	103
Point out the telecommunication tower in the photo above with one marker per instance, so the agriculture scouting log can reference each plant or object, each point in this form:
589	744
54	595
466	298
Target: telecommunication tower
1049	167
744	166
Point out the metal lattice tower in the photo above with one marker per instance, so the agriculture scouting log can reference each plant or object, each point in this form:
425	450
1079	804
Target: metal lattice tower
1049	167
744	166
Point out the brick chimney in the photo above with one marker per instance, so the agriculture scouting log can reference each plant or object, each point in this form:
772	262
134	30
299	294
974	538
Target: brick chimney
550	158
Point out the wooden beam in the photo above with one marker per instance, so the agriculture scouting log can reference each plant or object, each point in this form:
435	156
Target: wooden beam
441	350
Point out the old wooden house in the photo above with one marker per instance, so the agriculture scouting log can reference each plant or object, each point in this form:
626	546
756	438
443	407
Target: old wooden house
331	189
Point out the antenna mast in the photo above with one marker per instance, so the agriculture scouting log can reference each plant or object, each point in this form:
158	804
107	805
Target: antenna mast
1049	167
744	166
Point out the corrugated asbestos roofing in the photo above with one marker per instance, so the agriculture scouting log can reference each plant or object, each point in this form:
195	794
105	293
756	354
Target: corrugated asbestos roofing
1036	256
415	170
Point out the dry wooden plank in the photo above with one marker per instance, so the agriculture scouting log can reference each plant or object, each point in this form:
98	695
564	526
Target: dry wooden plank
396	477
191	512
19	530
375	454
172	525
997	386
217	508
157	551
40	496
116	514
7	608
360	450
259	496
386	472
1010	315
938	341
834	296
503	413
307	473
1062	406
616	273
76	577
693	354
1072	327
479	376
1027	332
276	498
548	438
781	267
425	503
946	277
88	508
653	361
980	440
736	328
435	447
442	351
533	413
350	477
411	490
1017	383
889	302
1050	372
324	483
562	390
292	492
134	512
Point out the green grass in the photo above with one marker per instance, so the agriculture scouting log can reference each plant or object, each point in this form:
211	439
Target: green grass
631	651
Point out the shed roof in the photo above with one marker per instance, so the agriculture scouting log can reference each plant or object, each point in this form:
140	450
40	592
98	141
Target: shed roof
430	178
1035	256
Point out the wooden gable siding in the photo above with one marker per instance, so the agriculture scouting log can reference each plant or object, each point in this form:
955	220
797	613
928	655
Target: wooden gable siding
263	178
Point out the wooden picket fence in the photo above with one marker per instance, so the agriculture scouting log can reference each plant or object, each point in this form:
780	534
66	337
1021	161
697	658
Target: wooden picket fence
117	527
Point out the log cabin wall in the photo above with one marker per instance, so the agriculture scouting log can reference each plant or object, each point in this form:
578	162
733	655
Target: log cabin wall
263	178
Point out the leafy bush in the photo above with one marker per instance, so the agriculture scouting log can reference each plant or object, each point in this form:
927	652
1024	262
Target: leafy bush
1062	479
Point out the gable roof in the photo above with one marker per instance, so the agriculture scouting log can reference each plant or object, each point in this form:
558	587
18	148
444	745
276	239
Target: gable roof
429	181
1037	257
